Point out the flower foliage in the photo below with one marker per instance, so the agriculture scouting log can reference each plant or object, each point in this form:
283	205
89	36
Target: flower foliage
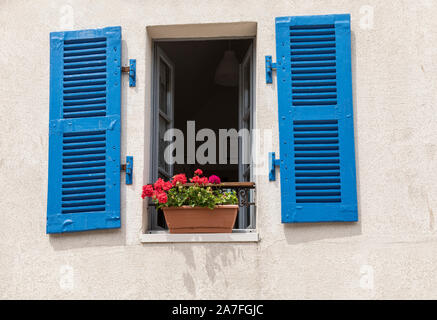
175	193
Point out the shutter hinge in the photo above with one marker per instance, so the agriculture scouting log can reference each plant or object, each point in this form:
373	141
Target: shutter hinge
273	163
132	70
129	168
270	66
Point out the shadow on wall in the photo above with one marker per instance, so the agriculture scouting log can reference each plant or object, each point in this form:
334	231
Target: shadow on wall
215	259
307	232
85	239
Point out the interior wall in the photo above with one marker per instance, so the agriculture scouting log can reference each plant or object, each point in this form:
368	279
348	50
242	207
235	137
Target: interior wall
199	99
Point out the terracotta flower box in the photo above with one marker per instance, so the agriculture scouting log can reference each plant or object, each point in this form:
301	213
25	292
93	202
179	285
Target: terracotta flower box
187	219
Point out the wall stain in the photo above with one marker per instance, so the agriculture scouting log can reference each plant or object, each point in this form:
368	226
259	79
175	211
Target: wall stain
189	283
217	259
431	214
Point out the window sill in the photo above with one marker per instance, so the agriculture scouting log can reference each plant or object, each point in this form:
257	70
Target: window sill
199	237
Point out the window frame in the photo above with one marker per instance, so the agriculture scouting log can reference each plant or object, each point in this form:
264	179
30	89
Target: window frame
156	113
168	116
250	55
152	227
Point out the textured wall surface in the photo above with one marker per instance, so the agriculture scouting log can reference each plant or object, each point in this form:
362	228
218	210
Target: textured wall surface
390	253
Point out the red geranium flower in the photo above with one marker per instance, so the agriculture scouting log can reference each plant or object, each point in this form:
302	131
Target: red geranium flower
199	180
162	197
147	191
159	184
198	172
167	186
179	178
204	180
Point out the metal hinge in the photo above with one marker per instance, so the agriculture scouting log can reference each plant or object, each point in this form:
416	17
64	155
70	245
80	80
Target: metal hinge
132	70
273	163
129	168
270	66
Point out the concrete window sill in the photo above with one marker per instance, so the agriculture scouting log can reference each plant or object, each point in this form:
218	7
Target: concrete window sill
200	237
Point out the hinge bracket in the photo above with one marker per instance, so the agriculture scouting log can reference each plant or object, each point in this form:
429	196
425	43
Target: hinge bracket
270	66
273	163
129	168
132	70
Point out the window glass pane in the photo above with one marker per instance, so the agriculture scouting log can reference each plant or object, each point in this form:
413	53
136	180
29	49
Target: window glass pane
246	115
164	86
163	126
246	88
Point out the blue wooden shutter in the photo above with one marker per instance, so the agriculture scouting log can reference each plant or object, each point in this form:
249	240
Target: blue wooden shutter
84	141
316	128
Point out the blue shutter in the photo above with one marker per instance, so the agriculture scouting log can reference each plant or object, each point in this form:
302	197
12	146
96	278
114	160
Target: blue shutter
84	133
316	130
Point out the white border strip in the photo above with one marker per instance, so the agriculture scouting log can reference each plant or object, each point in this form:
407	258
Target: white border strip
200	237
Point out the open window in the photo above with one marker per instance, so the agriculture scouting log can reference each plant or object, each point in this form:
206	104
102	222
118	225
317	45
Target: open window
203	89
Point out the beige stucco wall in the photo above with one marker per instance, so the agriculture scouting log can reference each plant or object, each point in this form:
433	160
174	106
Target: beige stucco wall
393	247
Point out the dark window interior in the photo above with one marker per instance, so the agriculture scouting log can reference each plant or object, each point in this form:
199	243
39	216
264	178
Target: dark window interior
198	98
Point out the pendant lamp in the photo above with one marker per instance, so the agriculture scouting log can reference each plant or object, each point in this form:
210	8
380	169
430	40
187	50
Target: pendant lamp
226	73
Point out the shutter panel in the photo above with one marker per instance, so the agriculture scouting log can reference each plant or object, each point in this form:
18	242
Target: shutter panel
317	166
84	141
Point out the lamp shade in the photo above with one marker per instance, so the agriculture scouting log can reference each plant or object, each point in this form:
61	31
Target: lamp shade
226	73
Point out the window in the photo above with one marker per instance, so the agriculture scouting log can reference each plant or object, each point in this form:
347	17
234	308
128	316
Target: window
204	90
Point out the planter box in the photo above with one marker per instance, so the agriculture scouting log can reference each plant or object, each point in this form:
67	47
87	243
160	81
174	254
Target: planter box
187	219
